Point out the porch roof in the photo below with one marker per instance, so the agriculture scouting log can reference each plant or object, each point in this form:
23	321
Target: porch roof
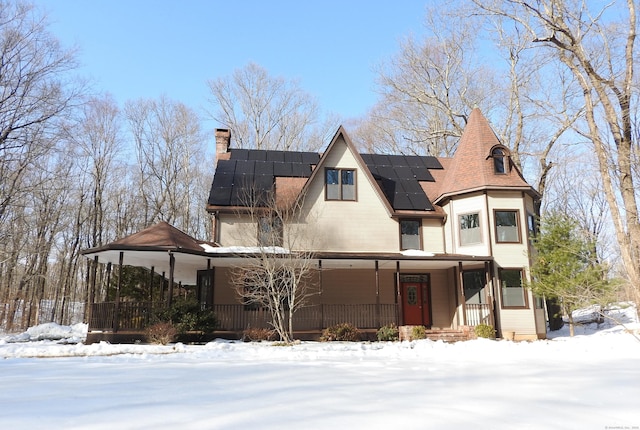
187	263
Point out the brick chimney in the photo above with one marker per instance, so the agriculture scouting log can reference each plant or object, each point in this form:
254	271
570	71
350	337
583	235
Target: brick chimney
223	141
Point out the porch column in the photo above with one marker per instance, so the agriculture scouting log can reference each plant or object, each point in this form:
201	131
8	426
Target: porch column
91	296
172	264
489	292
117	310
151	285
463	302
162	288
211	277
396	293
320	294
495	284
377	294
106	288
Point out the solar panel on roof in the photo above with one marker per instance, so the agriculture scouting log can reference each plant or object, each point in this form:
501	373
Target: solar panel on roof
264	168
397	160
222	179
245	167
403	172
401	201
263	182
282	169
226	166
220	196
432	163
300	170
386	171
258	155
239	154
310	158
293	157
275	156
422	174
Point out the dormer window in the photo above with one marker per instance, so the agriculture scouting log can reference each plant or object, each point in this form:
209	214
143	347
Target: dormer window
500	161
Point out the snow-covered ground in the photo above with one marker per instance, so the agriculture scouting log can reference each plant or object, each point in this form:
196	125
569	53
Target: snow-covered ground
591	381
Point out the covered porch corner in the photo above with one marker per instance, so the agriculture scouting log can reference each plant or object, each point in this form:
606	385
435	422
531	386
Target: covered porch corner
447	294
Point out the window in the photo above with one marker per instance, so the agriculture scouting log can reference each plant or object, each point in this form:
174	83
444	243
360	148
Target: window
269	231
500	160
470	229
410	234
473	282
340	184
507	227
532	228
511	289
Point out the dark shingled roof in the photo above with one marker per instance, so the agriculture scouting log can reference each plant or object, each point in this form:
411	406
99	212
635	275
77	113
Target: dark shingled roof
399	176
257	169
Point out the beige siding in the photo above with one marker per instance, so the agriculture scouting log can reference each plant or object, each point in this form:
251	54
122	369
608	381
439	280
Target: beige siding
509	254
358	226
223	291
348	287
441	306
236	230
432	236
468	204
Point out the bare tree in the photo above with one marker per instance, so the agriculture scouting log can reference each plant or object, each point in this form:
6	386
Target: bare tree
265	112
597	45
38	93
169	152
280	273
428	91
35	92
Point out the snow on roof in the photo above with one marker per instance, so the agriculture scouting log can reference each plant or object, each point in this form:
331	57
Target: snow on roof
244	249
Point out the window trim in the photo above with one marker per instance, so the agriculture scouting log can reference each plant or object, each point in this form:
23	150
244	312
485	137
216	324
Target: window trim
460	229
522	287
419	221
518	228
355	184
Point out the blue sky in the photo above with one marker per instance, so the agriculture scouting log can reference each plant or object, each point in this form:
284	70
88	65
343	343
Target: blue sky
146	48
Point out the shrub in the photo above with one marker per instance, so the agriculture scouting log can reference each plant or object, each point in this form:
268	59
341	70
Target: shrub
418	332
161	333
345	332
187	315
255	334
387	333
485	330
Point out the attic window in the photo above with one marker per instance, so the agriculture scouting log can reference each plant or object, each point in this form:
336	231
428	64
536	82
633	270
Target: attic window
340	184
500	161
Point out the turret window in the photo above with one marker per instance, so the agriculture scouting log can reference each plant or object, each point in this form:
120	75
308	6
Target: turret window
500	161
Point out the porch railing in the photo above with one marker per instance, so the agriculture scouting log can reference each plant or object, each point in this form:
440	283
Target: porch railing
478	313
136	316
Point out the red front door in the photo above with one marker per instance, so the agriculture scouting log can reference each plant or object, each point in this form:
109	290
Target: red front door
416	309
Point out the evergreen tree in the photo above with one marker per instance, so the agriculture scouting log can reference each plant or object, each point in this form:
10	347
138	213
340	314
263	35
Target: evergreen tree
565	267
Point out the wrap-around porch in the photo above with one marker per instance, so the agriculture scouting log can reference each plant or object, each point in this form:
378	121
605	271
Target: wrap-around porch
440	292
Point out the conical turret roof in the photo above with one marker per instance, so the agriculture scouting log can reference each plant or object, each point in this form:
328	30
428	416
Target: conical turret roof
472	167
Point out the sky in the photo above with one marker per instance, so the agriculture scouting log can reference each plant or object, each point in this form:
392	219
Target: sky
148	48
590	381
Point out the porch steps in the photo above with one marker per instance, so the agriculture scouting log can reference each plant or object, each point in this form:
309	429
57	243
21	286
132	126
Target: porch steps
445	334
449	335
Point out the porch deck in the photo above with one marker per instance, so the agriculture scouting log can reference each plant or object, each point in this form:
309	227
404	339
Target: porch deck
127	316
126	321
